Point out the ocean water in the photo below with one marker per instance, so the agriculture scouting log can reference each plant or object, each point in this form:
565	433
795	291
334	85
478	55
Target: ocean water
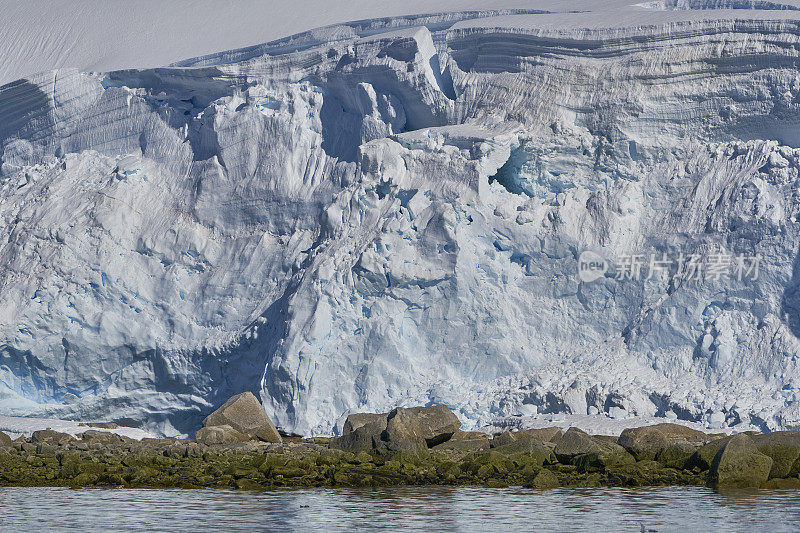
399	508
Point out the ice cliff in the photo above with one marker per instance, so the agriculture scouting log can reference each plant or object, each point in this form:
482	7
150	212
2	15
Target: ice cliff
391	212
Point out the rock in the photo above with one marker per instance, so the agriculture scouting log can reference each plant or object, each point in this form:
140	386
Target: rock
357	420
5	440
645	443
463	443
545	479
48	436
605	439
507	437
245	414
220	435
364	438
791	483
783	447
704	456
533	450
104	438
615	455
677	455
587	452
574	443
739	464
418	428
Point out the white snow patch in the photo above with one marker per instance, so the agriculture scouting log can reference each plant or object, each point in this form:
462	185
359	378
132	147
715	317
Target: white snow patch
15	426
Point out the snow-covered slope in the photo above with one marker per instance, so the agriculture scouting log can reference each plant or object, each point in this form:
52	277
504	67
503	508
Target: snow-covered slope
102	35
392	212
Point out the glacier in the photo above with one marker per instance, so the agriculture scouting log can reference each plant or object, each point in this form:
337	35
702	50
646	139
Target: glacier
390	212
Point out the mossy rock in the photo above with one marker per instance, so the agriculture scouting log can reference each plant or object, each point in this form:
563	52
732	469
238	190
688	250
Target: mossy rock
739	464
485	465
544	479
791	483
783	447
248	484
676	455
704	456
648	442
493	483
599	461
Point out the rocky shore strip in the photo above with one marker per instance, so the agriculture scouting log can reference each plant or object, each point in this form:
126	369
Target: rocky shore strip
239	447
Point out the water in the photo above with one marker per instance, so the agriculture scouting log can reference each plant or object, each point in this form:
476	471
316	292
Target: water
406	508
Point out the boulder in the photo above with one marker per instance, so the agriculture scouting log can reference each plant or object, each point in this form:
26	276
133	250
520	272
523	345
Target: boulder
783	447
704	456
532	450
364	438
357	420
104	438
574	443
220	435
419	428
739	464
545	479
507	437
5	440
463	443
677	455
245	414
48	436
675	443
587	452
614	455
791	483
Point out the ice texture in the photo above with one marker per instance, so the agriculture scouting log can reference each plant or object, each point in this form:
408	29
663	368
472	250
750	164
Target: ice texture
390	213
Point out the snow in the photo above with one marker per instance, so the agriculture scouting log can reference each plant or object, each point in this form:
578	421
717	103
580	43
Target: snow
17	426
93	35
391	212
595	424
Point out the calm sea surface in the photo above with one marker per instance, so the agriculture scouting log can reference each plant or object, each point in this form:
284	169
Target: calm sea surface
400	508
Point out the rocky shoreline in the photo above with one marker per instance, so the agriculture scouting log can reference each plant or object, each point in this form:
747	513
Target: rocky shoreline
239	447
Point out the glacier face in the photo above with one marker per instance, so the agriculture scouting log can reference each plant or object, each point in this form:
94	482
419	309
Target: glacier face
391	213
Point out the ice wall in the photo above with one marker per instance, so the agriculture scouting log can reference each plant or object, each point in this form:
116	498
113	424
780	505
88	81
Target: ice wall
395	215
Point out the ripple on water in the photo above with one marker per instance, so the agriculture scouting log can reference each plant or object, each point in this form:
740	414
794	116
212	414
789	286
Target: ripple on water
408	508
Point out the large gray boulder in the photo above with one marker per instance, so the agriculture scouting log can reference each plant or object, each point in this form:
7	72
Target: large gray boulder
245	414
783	447
673	442
220	435
104	438
364	438
419	428
574	443
704	456
587	452
463	443
739	464
357	420
5	440
48	436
